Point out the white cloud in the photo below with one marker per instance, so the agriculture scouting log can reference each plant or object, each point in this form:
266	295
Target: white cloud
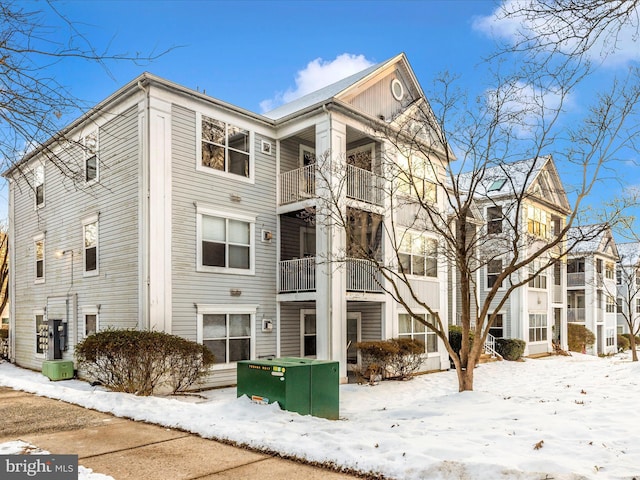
613	47
317	74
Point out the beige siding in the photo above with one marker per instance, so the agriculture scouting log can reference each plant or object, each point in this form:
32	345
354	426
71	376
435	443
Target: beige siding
115	199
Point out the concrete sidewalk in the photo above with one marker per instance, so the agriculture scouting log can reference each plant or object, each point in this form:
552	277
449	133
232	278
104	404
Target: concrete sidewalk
126	449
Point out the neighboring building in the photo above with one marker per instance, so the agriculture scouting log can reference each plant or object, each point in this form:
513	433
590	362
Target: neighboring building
591	285
167	209
534	312
628	286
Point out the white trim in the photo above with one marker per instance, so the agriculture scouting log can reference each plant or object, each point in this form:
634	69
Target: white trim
221	173
428	331
303	312
266	147
358	317
86	156
212	309
89	220
34	313
39	238
305	148
210	211
89	310
39	165
397	95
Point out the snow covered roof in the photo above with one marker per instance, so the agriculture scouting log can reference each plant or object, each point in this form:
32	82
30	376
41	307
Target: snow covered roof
590	239
629	253
321	95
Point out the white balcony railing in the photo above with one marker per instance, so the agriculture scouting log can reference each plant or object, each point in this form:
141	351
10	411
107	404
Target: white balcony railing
364	185
575	315
299	275
575	279
363	276
298	184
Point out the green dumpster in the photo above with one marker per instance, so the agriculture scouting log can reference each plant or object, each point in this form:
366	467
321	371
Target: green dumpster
302	385
57	369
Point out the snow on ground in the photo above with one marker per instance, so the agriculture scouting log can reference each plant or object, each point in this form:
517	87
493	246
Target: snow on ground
581	410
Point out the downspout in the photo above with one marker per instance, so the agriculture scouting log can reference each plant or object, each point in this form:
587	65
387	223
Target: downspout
144	318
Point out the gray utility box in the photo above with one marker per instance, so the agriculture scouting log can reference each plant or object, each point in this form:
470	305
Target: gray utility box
302	385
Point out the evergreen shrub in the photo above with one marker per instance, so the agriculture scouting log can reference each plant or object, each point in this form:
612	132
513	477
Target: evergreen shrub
397	358
579	337
140	362
510	348
623	342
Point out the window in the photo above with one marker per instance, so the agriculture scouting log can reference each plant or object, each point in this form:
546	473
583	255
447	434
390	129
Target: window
418	255
638	277
611	339
556	225
609	268
309	333
90	245
537	220
39	258
496	185
42	333
497	329
410	327
537	327
599	265
38	185
225	243
417	178
494	220
637	305
539	280
619	305
611	304
90	324
227	335
494	269
91	157
225	147
618	276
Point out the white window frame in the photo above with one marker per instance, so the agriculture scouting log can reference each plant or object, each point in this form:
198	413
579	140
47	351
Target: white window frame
202	210
637	305
224	173
412	237
487	272
38	175
90	152
303	312
85	222
609	268
216	309
89	310
610	339
500	315
492	222
540	278
537	221
407	186
37	313
610	304
538	328
37	239
413	333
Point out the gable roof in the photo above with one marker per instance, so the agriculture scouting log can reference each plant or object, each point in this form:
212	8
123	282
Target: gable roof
629	253
334	90
590	239
506	180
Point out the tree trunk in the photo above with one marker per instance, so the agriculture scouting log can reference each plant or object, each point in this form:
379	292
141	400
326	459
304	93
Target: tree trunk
465	379
632	346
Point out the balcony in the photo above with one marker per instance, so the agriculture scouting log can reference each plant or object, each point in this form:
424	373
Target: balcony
575	279
299	275
300	184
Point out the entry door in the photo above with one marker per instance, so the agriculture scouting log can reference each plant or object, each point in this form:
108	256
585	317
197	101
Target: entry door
353	337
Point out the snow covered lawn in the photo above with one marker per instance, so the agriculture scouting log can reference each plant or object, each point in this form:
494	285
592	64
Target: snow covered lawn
581	412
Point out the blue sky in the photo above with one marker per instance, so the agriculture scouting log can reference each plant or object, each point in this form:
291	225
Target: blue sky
254	54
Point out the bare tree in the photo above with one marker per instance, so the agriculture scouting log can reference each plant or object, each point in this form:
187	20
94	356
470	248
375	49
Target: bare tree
4	270
629	290
433	193
32	102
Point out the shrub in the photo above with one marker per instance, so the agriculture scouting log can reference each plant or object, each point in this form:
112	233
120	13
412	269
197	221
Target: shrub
510	348
579	337
628	337
139	362
623	343
4	333
455	338
397	358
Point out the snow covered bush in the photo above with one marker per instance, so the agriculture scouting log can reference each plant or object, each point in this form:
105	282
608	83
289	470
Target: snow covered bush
579	337
140	362
510	348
